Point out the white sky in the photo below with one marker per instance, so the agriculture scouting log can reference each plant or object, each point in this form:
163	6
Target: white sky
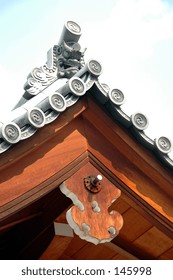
133	40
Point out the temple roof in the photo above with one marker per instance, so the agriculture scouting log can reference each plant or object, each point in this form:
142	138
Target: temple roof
59	84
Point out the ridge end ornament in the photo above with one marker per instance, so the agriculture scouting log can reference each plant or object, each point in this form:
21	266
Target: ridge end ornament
64	60
90	217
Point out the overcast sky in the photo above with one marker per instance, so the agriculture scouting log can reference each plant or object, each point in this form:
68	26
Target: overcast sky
133	40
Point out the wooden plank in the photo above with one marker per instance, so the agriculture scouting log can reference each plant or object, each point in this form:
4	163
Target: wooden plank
121	257
119	205
46	161
23	148
120	254
150	196
130	148
134	225
18	205
154	242
94	252
154	218
18	221
132	249
167	255
75	245
56	248
65	257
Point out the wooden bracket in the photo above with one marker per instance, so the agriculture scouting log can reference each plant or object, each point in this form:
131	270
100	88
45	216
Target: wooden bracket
90	217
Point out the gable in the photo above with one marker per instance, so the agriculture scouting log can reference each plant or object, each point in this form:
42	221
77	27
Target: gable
54	142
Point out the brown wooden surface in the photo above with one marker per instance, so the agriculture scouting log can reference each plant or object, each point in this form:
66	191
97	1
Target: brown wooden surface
167	255
99	222
138	240
128	146
28	146
154	242
77	249
35	168
139	184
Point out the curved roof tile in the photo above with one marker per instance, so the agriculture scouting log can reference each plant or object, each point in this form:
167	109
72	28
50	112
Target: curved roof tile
45	99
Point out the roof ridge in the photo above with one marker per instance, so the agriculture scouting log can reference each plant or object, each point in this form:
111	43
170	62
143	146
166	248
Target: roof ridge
45	98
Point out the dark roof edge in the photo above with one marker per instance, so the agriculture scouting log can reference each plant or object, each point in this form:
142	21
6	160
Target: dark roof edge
136	123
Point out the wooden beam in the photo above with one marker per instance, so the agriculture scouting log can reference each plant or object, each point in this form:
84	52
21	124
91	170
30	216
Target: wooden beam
19	221
120	251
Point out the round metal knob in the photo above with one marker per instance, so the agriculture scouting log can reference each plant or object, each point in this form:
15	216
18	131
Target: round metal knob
92	183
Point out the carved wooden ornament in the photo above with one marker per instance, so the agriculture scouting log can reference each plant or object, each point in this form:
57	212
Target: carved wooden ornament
92	196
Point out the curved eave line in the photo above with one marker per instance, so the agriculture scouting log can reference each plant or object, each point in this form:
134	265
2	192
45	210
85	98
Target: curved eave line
101	93
115	111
